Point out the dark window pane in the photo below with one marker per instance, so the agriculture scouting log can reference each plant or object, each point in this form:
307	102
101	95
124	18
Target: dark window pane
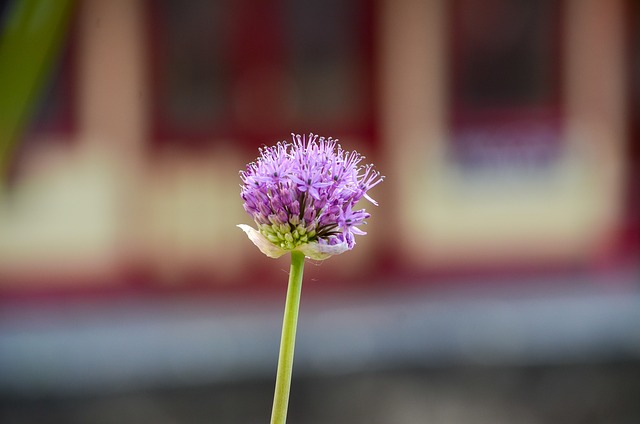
505	52
192	73
505	82
329	68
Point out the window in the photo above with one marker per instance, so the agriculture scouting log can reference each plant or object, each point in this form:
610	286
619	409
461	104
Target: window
255	70
505	83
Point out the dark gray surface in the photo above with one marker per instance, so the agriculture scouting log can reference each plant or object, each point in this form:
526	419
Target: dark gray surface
567	394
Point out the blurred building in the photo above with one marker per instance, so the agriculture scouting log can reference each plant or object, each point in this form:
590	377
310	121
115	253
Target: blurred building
507	232
505	129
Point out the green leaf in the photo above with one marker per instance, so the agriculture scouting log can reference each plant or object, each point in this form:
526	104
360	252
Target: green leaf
32	33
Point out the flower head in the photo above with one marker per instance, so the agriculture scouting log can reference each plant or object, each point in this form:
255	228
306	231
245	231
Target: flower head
302	195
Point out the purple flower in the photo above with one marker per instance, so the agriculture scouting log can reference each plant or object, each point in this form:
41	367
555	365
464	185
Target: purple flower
302	195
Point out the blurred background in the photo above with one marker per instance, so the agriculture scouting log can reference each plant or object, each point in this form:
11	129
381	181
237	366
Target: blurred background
499	279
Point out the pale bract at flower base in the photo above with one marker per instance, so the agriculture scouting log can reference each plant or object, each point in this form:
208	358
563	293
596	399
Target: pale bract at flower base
302	194
311	250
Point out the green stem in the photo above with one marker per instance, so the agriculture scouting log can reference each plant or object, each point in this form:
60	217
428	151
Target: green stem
288	340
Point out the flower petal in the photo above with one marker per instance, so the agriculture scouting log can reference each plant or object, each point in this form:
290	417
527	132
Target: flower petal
265	246
321	252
